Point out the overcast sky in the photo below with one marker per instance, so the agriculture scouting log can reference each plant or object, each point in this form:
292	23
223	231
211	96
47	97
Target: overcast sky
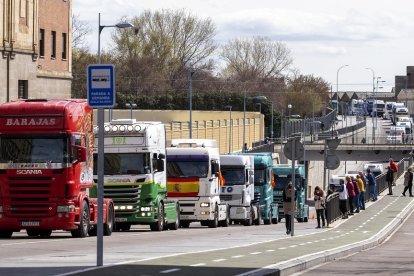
323	35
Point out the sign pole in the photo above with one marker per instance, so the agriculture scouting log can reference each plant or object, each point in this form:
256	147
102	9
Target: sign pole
292	196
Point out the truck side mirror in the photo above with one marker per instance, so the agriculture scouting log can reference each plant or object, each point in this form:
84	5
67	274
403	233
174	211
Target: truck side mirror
215	168
160	165
79	154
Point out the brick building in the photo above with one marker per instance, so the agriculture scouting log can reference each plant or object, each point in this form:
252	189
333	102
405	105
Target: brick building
35	46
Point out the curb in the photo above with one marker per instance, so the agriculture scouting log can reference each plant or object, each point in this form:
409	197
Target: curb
308	261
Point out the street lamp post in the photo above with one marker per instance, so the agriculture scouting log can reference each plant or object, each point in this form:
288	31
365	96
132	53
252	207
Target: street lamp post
244	147
230	128
190	76
373	95
101	118
130	106
289	109
337	80
264	98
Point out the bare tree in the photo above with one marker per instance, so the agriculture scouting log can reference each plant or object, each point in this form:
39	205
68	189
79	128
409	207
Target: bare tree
250	59
172	40
79	31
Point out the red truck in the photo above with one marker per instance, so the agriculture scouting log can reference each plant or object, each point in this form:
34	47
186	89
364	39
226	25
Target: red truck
46	169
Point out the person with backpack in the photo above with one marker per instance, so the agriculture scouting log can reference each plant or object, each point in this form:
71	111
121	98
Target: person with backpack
389	177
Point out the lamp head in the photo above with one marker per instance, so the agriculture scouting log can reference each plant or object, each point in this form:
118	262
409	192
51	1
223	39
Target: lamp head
124	25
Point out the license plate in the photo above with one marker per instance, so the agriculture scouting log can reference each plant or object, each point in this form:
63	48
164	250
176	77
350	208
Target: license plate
29	223
121	220
239	211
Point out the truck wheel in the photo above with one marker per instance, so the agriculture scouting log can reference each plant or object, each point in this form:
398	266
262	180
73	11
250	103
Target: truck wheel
259	216
159	224
93	231
110	218
83	227
6	234
299	219
305	219
249	220
226	222
275	220
176	224
214	223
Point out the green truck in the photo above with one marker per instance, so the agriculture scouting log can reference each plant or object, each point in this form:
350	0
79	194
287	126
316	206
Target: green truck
263	186
283	174
135	175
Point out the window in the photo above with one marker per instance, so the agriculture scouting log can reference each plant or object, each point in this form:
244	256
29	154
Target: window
63	45
53	54
23	89
42	43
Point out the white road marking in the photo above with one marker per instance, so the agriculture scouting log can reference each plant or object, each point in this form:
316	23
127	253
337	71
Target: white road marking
219	260
293	246
237	256
282	248
170	270
199	264
270	250
255	253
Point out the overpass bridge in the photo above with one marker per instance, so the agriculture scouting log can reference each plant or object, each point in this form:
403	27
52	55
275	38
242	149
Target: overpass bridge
361	140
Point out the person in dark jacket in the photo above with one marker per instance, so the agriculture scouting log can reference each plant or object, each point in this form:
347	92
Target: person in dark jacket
389	177
351	194
408	182
288	209
372	183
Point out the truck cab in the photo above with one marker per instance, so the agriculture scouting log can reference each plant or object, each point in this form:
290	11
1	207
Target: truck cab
194	179
135	175
238	189
283	174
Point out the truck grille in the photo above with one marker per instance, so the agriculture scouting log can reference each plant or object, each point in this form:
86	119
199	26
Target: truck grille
124	196
29	197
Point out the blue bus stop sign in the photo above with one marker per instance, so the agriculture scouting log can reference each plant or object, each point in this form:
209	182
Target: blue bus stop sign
101	85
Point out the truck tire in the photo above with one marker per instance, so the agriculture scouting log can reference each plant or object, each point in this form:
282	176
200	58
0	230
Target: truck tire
108	227
226	221
176	224
83	227
249	220
159	224
259	216
214	223
6	234
275	220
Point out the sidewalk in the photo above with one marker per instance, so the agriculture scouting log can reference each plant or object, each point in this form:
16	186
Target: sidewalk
288	255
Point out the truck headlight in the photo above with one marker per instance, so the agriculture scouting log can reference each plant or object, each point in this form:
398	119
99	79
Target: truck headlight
205	204
146	209
66	208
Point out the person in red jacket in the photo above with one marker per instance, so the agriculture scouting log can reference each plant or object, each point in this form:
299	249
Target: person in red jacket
393	167
351	194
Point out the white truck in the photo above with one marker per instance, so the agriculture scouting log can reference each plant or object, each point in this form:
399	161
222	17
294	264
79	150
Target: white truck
194	179
135	176
238	189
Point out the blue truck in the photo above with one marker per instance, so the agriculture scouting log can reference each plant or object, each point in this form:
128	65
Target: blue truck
283	174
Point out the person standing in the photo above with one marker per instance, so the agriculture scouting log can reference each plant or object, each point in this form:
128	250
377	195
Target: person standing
408	182
372	183
351	194
389	177
343	198
361	198
394	167
356	198
288	209
319	198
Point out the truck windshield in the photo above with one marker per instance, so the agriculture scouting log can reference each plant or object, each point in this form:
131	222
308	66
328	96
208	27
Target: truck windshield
281	182
193	168
233	176
259	177
34	148
124	163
